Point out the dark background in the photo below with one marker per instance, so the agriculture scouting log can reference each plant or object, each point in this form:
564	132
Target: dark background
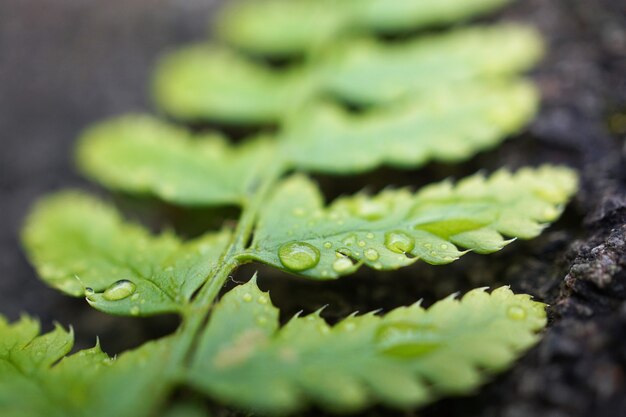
67	63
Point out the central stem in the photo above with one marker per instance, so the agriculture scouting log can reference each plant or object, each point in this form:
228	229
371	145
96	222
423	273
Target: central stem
195	315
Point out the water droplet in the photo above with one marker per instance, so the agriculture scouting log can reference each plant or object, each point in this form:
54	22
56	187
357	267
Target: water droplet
298	256
370	235
443	246
399	242
247	297
134	311
328	245
378	265
516	313
261	320
298	211
342	264
135	297
361	243
262	299
404	339
371	254
119	290
343	252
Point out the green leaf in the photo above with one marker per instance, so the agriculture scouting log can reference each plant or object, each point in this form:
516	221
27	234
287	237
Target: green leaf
83	247
298	234
37	379
371	72
141	154
208	82
451	125
405	358
284	27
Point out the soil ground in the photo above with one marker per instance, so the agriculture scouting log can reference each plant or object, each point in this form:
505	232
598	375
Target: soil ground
67	63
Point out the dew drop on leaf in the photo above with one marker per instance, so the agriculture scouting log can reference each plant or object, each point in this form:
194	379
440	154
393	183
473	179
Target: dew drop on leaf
371	254
247	297
298	256
399	242
403	339
342	264
134	311
516	313
119	290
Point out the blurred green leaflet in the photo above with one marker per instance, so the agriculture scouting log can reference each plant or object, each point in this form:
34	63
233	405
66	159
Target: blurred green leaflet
211	82
291	27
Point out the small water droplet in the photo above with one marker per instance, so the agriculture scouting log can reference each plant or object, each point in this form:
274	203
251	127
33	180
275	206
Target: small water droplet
378	265
370	235
405	339
119	290
299	211
428	245
328	245
135	297
516	313
134	311
342	264
399	242
261	320
371	254
325	274
298	256
247	297
262	299
443	246
361	243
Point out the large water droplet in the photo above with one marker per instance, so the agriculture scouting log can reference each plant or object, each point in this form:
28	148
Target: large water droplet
298	256
371	254
342	264
516	313
399	242
119	290
404	339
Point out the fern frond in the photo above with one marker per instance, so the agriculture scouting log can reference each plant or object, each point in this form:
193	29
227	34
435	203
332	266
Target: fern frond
397	227
38	379
82	247
286	27
141	154
404	358
208	82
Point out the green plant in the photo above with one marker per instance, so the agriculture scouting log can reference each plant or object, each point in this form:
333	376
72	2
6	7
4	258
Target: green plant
235	350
